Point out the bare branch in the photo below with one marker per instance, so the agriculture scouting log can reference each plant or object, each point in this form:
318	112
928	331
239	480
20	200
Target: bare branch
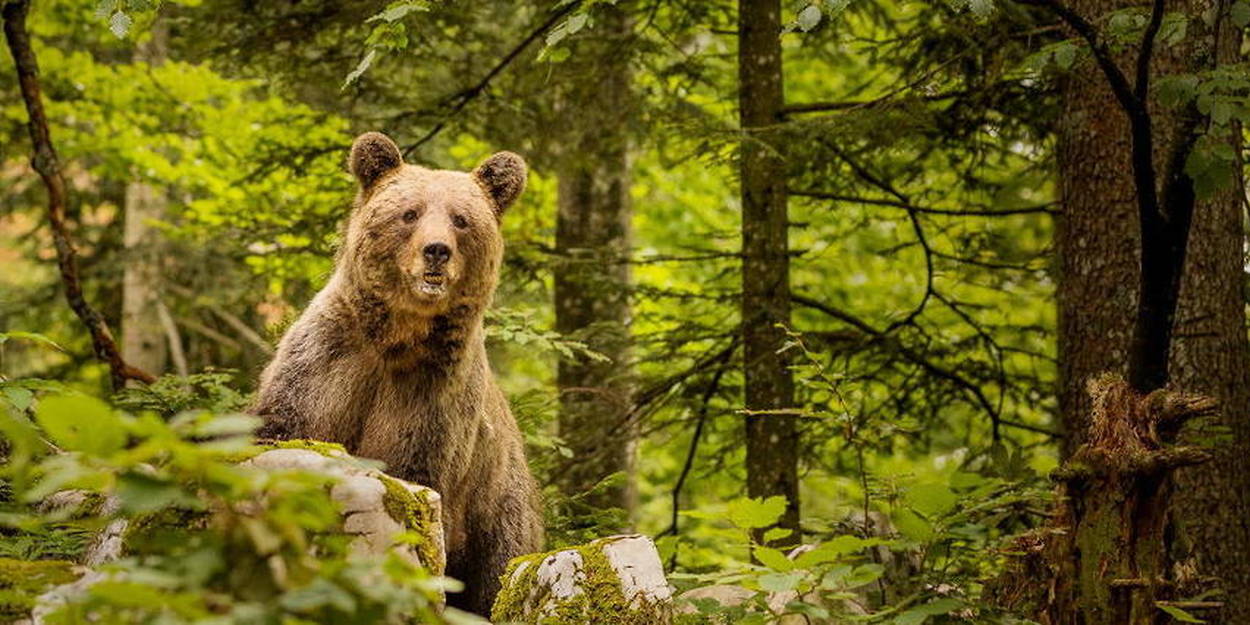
45	162
928	210
461	99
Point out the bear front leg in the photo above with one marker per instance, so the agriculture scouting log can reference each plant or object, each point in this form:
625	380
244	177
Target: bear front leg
509	528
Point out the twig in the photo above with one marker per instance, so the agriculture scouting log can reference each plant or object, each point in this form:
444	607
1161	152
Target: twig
462	98
245	331
45	161
978	396
954	212
695	438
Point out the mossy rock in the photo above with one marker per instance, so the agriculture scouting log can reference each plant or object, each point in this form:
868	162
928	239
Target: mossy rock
610	581
378	510
22	581
331	450
419	511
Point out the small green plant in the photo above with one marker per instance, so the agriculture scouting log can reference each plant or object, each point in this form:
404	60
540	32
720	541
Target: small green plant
208	540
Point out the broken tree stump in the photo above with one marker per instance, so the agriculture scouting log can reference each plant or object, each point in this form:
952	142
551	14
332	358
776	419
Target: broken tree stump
1110	555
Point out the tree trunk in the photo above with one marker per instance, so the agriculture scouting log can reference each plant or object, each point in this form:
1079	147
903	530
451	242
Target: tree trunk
772	437
592	278
1097	240
144	340
1106	557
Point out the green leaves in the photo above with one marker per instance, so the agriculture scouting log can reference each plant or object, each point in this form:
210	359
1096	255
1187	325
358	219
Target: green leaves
30	336
748	513
920	614
1060	55
80	423
119	24
399	10
120	13
1210	165
1180	614
1239	13
809	17
191	510
932	499
363	66
388	35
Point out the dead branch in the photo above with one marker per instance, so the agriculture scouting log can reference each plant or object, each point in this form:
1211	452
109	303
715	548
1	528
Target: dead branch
46	163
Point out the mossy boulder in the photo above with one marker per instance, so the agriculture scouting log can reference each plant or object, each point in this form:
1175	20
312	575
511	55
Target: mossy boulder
378	510
610	581
22	581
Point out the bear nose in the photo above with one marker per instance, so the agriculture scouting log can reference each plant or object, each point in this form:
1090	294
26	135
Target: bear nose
436	253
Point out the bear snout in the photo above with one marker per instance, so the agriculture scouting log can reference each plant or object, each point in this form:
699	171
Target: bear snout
436	255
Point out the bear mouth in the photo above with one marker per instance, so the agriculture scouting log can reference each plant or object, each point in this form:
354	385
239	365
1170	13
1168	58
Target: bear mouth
432	283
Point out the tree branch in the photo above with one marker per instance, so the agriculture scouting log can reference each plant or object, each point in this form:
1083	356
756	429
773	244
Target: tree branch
928	210
1141	88
978	396
461	99
1102	54
46	163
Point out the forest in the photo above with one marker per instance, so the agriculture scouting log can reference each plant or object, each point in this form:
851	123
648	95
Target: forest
624	312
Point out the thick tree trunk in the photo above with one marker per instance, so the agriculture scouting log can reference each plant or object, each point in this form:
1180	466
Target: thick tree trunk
1106	558
772	436
1098	239
592	279
144	341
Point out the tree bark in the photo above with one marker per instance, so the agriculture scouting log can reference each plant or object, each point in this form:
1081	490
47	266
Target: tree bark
1098	241
771	434
144	341
592	277
1106	556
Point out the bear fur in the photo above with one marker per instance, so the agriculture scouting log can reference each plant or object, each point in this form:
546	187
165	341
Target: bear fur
389	358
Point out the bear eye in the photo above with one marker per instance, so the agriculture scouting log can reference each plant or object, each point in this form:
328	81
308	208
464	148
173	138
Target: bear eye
410	216
460	221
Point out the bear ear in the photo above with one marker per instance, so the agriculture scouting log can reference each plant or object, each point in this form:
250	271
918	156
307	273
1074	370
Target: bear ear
502	176
373	154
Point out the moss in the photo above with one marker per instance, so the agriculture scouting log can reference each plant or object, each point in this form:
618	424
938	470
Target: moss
416	514
321	447
261	446
511	600
154	531
22	581
601	601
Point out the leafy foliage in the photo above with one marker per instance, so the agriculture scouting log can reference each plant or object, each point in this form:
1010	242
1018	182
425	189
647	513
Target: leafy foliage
208	539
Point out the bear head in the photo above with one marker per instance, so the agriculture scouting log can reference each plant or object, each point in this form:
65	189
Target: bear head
427	241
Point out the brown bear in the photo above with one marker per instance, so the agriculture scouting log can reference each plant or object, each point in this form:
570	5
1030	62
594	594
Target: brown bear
389	358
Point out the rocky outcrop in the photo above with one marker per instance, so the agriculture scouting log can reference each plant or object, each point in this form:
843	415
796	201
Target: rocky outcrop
376	507
610	581
376	510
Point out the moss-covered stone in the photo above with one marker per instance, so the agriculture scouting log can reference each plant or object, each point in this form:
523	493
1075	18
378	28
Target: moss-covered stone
264	445
600	598
22	581
321	447
417	515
